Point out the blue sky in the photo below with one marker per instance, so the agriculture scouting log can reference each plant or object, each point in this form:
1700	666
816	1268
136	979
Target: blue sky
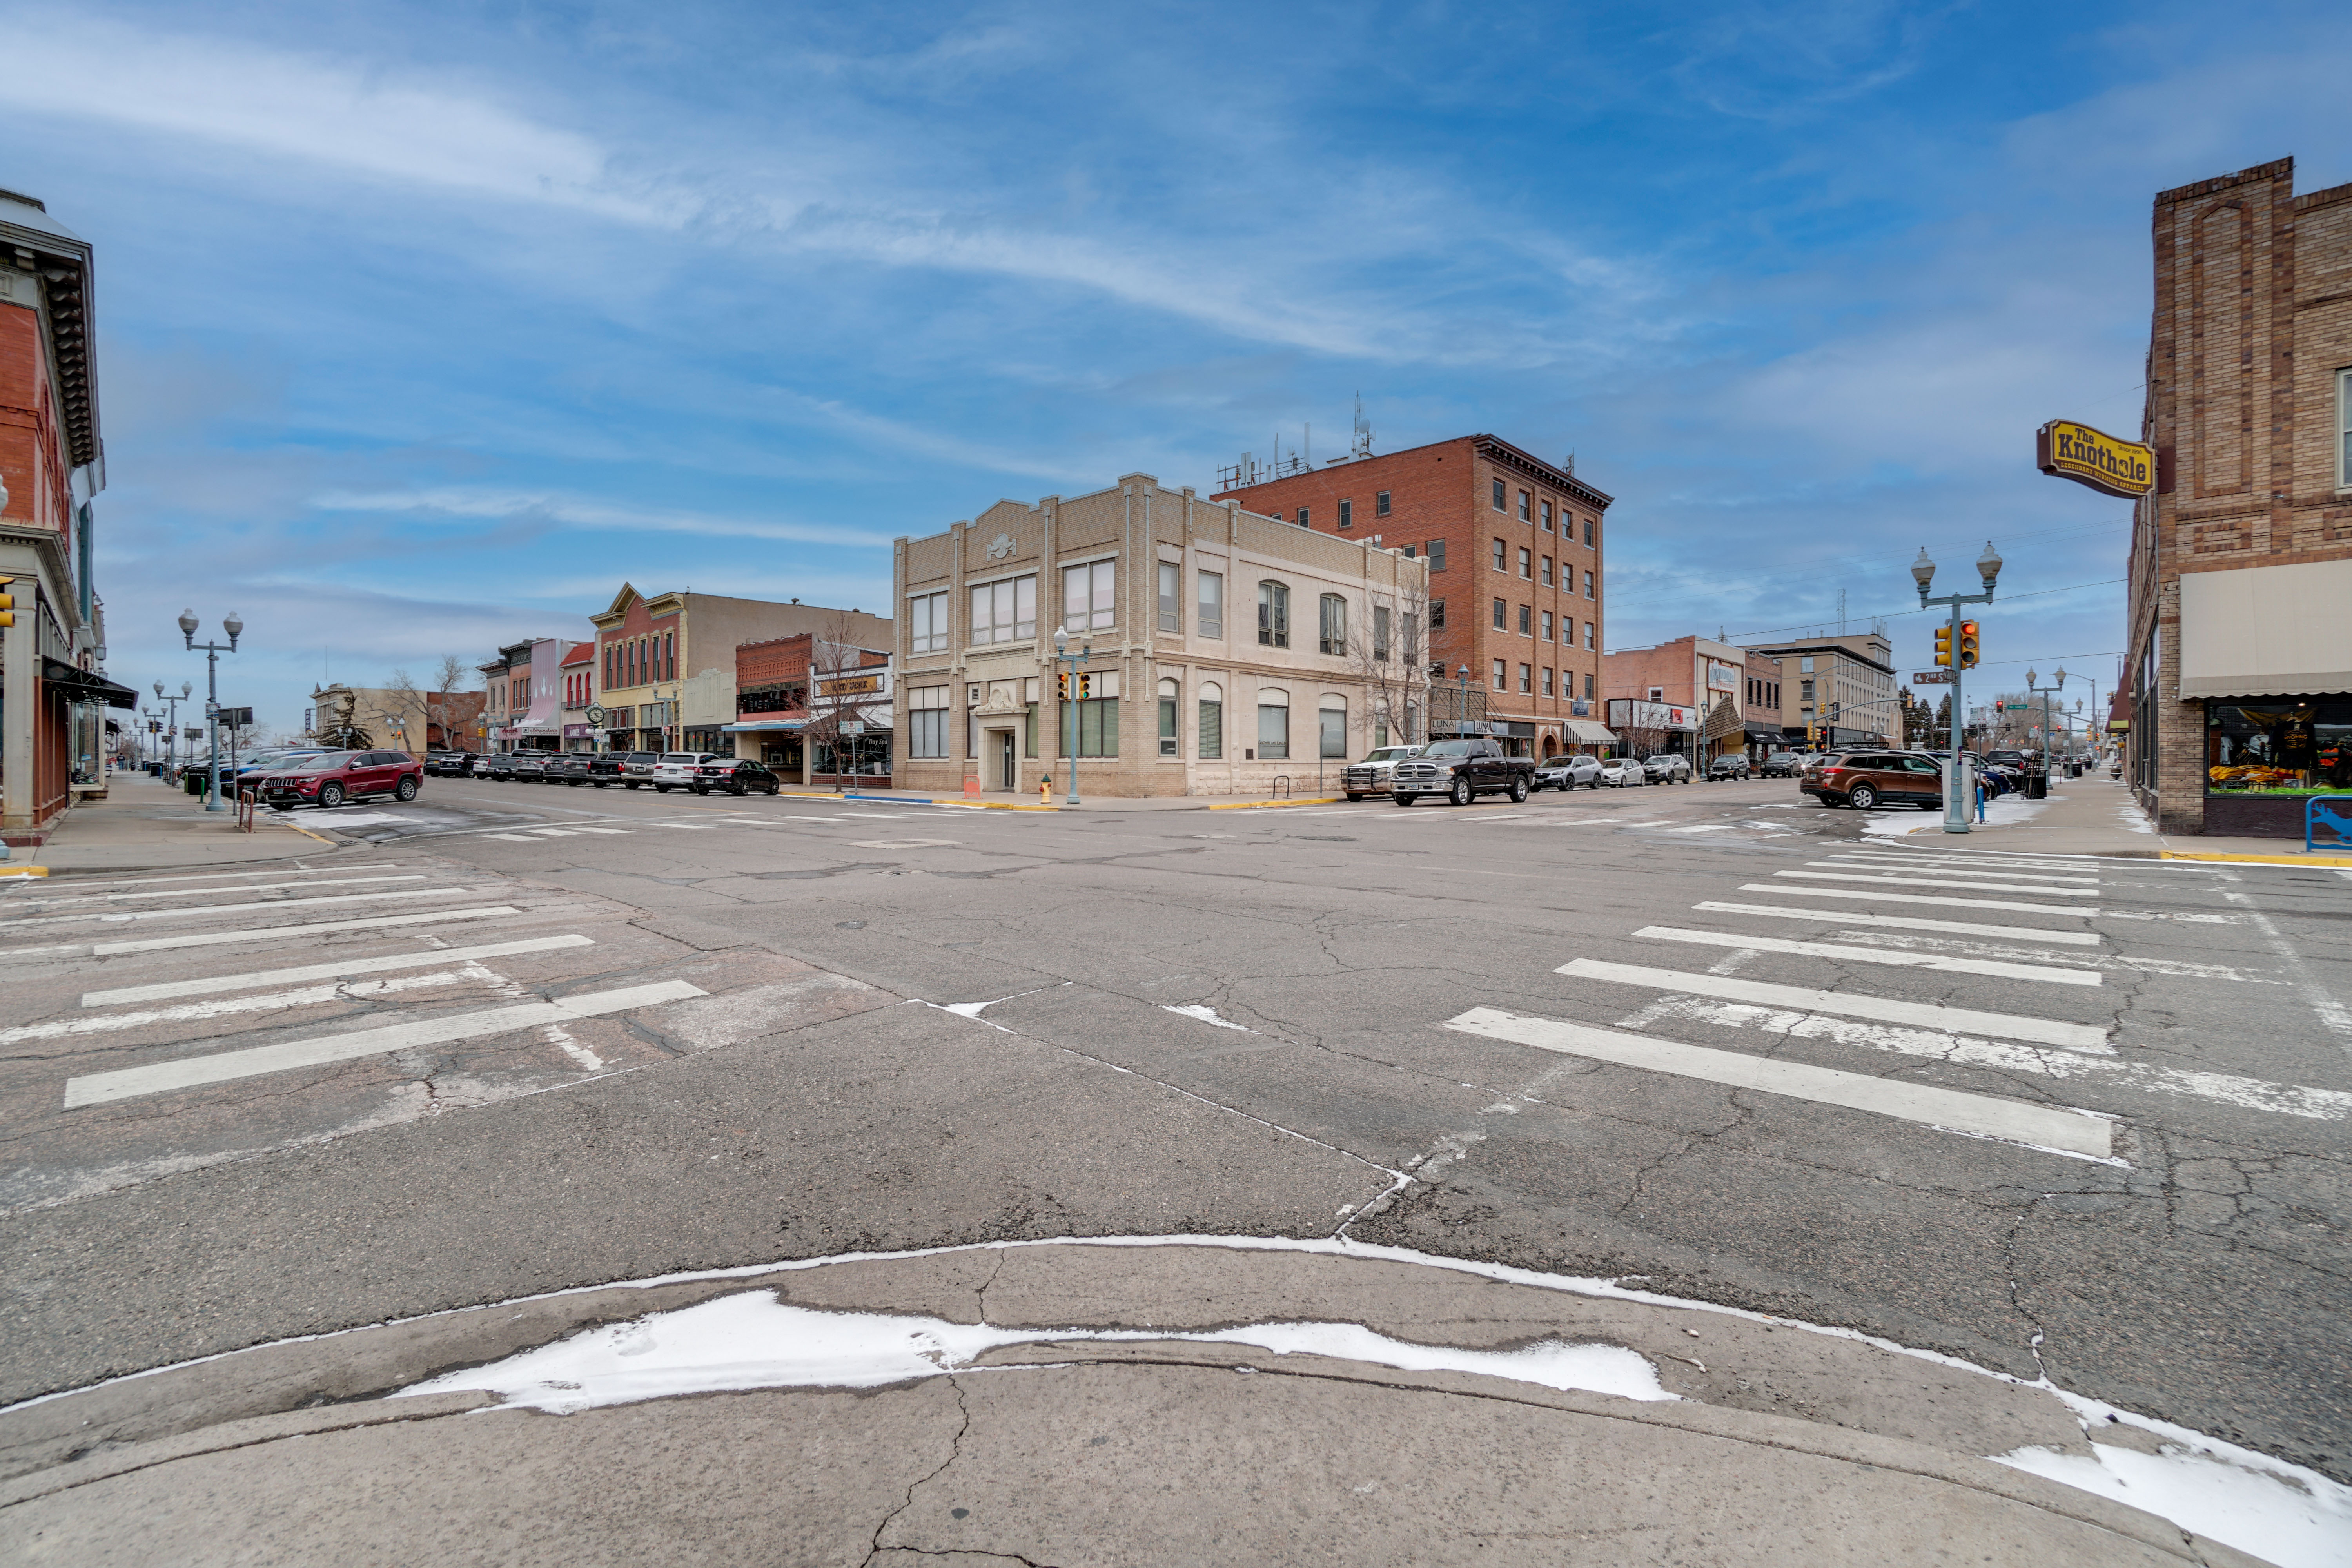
423	327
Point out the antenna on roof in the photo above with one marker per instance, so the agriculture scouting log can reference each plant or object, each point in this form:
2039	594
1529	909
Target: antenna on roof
1568	468
1363	447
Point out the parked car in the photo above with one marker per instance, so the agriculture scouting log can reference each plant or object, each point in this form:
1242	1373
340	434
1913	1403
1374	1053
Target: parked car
521	767
245	769
676	770
1371	776
332	778
1461	771
1617	773
1866	780
1565	773
450	764
577	768
637	767
1667	767
1781	764
1733	765
734	775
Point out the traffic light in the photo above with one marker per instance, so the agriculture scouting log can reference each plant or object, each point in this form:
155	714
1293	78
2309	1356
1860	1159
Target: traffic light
1062	688
1086	685
7	604
1968	645
1944	646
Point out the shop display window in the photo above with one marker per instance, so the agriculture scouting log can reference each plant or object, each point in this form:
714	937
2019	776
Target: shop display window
2279	746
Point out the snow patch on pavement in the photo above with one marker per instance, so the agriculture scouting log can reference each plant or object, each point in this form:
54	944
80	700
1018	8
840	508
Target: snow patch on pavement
1208	1014
754	1341
2243	1499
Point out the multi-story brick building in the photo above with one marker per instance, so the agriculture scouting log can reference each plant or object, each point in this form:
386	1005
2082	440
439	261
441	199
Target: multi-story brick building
666	662
1515	586
1845	682
1227	649
522	693
2239	658
1710	682
776	724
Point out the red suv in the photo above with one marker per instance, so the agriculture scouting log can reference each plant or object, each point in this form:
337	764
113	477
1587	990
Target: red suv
337	776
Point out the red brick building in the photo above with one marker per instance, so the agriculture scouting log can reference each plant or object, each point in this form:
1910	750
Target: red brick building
1514	545
772	713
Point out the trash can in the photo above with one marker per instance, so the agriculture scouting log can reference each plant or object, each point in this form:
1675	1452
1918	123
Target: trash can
2037	787
194	781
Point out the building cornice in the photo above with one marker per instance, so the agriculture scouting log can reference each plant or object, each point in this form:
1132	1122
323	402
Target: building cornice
63	264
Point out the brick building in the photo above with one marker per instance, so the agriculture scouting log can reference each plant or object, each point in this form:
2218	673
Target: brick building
776	726
1709	682
53	695
2239	657
577	675
1514	546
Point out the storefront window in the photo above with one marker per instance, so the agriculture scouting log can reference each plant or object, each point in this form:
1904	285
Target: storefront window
2279	746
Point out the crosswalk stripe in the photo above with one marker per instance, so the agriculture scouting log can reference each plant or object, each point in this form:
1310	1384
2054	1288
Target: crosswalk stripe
125	1083
1887	898
1969	863
512	838
1893	957
313	928
1925	881
1907	922
113	915
214	893
77	883
1926	1015
696	826
261	979
222	1007
1859	863
622	831
2015	1121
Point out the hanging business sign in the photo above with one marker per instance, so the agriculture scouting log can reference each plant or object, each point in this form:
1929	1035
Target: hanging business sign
2066	450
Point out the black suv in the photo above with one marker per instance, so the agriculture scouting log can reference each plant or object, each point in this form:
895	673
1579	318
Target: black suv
449	764
520	767
736	776
577	768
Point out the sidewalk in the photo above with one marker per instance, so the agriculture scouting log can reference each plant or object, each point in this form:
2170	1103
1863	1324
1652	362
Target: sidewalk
2095	814
1288	1403
1002	801
143	823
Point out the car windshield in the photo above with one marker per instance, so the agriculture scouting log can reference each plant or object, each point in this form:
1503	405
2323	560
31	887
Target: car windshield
1448	748
324	760
1390	753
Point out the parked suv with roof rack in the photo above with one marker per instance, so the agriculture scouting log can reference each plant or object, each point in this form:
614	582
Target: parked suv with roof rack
1866	780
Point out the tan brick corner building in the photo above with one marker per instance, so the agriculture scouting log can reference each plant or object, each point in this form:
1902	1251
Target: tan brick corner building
2239	657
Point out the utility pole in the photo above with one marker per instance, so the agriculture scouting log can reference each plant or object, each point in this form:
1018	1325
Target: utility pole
1923	571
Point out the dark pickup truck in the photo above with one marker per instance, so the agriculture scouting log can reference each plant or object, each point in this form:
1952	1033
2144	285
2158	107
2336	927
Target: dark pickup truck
577	768
1460	771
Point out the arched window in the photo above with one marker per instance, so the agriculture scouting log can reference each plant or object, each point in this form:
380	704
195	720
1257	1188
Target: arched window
1332	636
1273	724
1334	718
1169	692
1273	614
1213	719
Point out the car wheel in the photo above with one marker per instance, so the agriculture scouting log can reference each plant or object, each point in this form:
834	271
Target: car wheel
741	790
1519	791
1862	797
661	789
330	795
1460	794
773	790
406	790
1400	799
1353	799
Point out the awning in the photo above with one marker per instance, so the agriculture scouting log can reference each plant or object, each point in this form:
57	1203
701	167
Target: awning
756	726
1586	732
2266	631
80	682
1769	734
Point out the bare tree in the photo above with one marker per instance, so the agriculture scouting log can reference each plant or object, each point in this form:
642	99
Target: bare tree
338	725
448	676
839	693
407	707
1390	656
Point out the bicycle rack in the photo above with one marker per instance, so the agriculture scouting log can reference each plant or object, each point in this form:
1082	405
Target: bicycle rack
1281	790
247	802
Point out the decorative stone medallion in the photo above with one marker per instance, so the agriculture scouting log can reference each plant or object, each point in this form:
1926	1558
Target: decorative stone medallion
999	547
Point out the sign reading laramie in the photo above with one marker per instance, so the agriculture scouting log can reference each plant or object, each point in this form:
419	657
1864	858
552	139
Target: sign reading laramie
2094	458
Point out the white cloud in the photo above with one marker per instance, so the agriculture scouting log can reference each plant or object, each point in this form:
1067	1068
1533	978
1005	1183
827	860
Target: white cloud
573	512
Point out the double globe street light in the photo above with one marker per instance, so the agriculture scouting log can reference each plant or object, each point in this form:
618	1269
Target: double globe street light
1923	571
235	627
2032	685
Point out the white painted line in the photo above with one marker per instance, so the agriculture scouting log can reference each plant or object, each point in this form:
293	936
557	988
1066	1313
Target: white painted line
512	838
900	843
260	978
112	916
76	883
1887	1010
550	831
696	826
1909	923
1886	898
126	1083
1501	817
225	1006
1895	957
2014	1121
1857	863
1966	863
216	892
794	817
313	928
1940	882
622	831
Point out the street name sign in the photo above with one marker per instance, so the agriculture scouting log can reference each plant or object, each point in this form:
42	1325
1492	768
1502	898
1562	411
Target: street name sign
1932	677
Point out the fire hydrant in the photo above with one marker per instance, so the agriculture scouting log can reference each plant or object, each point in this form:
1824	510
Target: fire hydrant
1045	789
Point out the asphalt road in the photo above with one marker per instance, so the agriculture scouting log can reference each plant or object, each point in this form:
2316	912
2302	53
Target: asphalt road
2087	1117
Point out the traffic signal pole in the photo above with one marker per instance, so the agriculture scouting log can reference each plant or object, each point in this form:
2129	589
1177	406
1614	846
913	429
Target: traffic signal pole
1923	571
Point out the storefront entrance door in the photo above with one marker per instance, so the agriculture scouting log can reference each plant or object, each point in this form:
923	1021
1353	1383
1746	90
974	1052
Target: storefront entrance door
1008	766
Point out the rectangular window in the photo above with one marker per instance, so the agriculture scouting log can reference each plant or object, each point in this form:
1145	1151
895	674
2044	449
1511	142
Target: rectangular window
1502	616
1502	555
1302	517
1588	585
1273	732
1527	513
1087	602
2344	429
1090	727
1546	680
1547	626
927	721
1498	495
1545	576
1546	517
1334	736
1331	637
1588	634
1437	553
1380	504
1211	587
1347	514
927	623
1171	597
1379	634
1004	611
1588	533
1273	614
1527	679
1526	566
1213	725
1587	686
1437	614
1168	719
1526	620
1502	675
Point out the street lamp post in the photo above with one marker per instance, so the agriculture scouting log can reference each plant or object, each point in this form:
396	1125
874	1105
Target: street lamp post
234	626
1061	651
1462	705
2032	686
171	725
1923	571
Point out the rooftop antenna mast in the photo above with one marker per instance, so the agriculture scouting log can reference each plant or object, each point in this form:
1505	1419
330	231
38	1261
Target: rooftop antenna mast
1841	611
1363	447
